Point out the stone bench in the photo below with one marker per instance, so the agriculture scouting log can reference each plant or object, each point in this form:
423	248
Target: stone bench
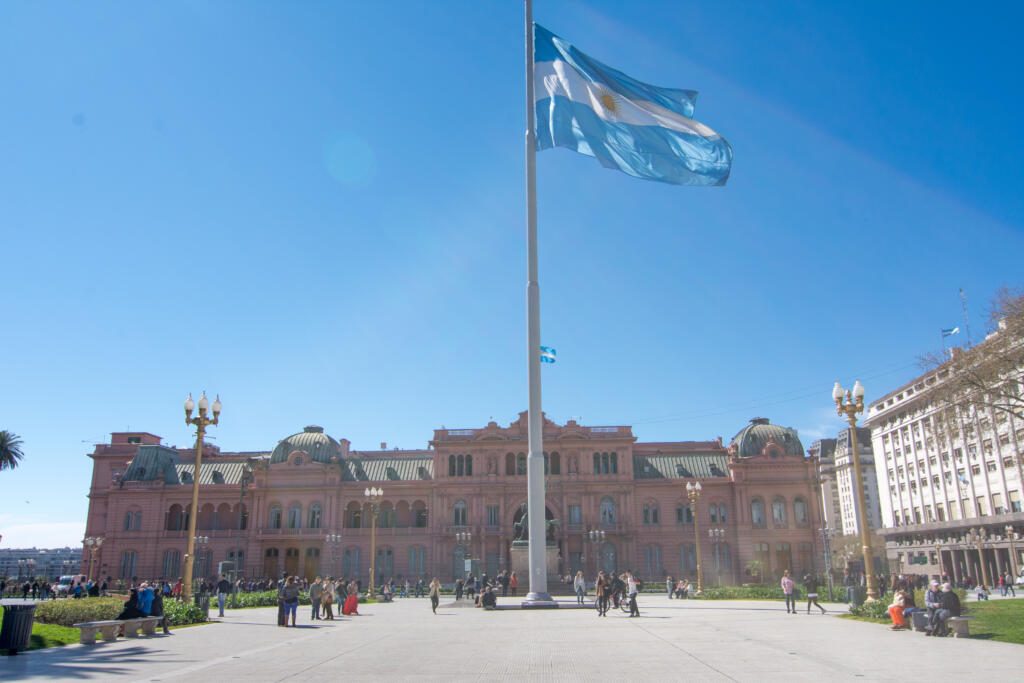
108	629
147	624
960	626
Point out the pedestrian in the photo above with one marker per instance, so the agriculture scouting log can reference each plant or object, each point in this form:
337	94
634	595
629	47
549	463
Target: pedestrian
580	584
290	597
1008	579
513	584
327	599
435	594
601	594
811	584
669	586
632	590
850	583
458	589
315	597
223	589
788	585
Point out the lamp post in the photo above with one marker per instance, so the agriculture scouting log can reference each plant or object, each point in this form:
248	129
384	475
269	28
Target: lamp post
693	490
201	422
373	495
977	537
334	540
465	538
243	514
93	543
826	539
596	537
716	536
1011	536
849	404
938	556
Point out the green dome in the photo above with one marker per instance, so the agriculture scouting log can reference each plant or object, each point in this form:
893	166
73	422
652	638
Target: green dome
752	439
311	441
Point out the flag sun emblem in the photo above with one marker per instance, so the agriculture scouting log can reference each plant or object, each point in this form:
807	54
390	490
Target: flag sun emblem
608	102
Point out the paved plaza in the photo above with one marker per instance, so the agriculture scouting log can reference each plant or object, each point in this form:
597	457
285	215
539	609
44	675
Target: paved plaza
672	640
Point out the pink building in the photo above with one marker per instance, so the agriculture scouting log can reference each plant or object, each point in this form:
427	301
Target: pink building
272	512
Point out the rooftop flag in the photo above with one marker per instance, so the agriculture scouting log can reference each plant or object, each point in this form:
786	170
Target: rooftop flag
950	331
639	129
548	354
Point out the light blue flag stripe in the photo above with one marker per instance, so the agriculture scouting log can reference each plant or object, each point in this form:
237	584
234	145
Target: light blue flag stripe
627	125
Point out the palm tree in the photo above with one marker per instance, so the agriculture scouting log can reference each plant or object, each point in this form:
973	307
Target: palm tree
10	450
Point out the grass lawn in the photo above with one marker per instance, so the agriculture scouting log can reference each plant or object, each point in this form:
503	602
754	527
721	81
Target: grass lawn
1001	620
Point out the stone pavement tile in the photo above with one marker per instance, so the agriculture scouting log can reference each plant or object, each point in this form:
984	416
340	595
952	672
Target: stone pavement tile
672	640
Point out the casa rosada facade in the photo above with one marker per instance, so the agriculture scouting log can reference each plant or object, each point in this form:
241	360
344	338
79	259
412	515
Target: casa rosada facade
301	508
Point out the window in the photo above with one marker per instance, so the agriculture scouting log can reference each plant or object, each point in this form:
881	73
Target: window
350	565
171	564
713	513
940	512
687	559
982	506
133	520
757	512
315	514
128	559
451	465
492	515
723	513
295	517
575	514
652	560
386	516
552	463
975	469
469	465
459	513
521	463
419	515
684	515
997	504
510	464
274	520
417	561
606	463
651	516
1015	504
800	512
607	511
779	512
783	557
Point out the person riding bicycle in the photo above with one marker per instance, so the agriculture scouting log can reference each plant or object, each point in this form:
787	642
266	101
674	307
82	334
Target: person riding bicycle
617	591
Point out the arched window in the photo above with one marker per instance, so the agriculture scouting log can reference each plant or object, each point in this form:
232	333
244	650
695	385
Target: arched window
315	515
779	511
469	465
521	463
510	464
175	518
419	514
223	518
133	520
723	513
460	465
651	515
295	516
713	513
757	512
800	512
459	513
353	516
451	465
684	515
608	515
386	516
556	463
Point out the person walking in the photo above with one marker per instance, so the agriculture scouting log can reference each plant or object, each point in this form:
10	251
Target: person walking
632	590
435	594
316	594
327	599
788	584
1008	580
580	584
290	597
811	584
669	586
223	588
601	594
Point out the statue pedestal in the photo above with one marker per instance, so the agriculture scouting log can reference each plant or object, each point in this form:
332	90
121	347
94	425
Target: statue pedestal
519	559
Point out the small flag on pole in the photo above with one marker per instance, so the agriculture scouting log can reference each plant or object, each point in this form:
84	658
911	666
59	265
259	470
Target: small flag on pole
949	332
639	129
547	354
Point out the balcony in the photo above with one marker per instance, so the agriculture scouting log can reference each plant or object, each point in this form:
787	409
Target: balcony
212	533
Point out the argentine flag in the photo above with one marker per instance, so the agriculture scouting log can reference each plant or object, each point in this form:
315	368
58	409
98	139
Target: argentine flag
548	354
949	332
643	130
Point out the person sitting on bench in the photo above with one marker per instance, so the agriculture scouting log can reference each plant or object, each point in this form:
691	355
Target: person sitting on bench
489	600
949	606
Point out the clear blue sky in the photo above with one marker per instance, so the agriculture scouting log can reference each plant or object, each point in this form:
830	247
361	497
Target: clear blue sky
316	210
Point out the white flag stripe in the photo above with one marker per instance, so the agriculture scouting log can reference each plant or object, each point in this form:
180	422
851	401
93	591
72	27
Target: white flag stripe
561	79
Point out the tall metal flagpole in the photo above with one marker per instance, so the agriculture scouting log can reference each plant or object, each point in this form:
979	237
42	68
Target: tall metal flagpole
538	593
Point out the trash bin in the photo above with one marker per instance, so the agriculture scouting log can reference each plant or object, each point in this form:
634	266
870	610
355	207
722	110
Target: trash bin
203	602
16	629
859	594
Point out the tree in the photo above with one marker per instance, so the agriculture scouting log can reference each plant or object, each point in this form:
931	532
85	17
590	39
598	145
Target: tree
10	450
989	375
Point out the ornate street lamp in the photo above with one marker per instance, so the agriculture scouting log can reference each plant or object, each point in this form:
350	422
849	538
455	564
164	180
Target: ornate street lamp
201	422
202	542
849	404
596	537
693	490
373	495
93	543
716	536
334	540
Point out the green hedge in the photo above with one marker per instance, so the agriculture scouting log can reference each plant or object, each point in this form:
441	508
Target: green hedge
257	599
69	612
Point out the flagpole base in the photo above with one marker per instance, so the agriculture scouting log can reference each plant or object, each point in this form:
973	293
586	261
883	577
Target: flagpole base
539	601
